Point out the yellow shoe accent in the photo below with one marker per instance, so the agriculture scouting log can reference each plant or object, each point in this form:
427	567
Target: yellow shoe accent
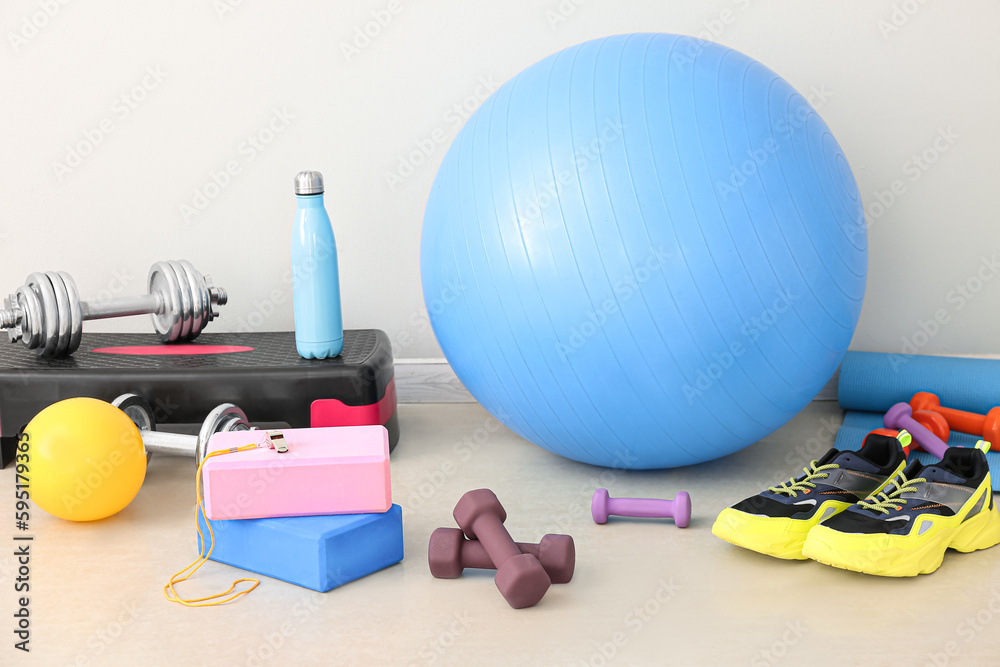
908	555
980	532
780	537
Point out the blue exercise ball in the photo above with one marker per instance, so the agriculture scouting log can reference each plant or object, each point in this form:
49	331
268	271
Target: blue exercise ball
644	251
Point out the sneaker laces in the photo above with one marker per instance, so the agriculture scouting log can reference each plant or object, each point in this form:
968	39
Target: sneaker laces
793	486
883	502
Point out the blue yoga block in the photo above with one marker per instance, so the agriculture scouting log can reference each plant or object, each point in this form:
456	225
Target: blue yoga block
317	552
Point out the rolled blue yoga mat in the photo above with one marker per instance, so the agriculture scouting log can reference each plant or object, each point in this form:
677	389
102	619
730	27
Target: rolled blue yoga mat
875	381
872	382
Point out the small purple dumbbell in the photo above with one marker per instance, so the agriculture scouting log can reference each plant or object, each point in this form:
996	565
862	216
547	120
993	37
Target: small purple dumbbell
604	506
900	416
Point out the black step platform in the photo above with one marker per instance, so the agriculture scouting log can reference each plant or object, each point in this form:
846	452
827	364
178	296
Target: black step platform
267	378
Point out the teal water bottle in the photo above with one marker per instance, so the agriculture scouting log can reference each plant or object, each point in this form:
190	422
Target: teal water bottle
319	330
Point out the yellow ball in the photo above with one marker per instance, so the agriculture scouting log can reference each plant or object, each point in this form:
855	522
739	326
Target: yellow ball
85	459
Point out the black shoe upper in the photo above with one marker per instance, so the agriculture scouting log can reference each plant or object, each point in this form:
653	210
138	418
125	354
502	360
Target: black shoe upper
852	476
945	488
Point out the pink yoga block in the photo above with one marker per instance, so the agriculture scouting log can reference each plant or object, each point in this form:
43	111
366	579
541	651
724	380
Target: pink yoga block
336	470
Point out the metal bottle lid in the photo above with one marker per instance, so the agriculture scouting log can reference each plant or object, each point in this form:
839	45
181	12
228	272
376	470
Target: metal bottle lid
309	183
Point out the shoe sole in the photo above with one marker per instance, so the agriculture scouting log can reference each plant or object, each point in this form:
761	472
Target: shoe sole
780	537
906	555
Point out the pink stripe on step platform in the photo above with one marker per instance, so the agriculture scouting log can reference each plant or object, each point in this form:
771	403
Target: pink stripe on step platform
331	412
162	350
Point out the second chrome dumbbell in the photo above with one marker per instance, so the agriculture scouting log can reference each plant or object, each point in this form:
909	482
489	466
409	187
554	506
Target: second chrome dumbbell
222	418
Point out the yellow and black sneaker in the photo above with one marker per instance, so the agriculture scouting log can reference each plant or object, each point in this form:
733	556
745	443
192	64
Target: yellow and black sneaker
776	521
905	529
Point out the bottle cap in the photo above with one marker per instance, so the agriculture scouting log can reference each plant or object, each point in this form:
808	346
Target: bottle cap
309	183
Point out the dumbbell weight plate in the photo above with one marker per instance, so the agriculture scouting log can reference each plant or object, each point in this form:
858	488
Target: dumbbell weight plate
184	292
200	303
187	301
31	325
167	322
62	323
201	297
64	306
139	411
224	417
46	297
76	314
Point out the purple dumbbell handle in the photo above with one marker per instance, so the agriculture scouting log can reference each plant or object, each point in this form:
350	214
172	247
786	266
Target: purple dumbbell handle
495	539
603	506
900	416
640	507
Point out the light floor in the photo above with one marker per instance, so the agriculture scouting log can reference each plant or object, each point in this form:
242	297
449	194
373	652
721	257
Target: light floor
645	592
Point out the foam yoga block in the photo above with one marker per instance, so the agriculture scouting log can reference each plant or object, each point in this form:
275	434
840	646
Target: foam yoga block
338	470
874	381
317	552
858	424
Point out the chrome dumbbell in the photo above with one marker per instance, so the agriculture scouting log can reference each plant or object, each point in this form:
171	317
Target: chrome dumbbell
47	315
222	418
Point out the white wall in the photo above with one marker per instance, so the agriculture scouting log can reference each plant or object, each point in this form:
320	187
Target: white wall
227	65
